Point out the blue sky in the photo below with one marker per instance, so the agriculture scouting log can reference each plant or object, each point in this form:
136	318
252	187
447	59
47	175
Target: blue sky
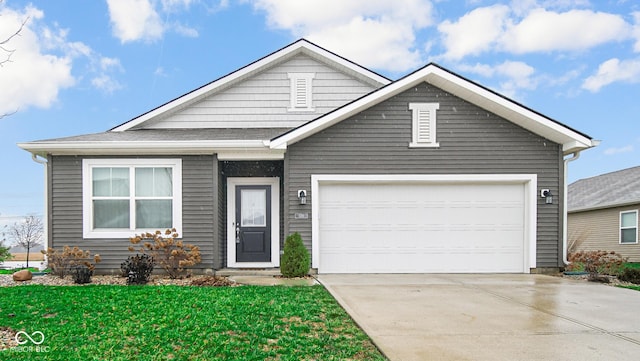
107	61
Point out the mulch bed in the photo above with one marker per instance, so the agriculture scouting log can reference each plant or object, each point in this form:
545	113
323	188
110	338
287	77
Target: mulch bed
200	280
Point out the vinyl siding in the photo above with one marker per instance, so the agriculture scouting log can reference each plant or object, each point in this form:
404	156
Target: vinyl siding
262	100
600	230
472	141
197	211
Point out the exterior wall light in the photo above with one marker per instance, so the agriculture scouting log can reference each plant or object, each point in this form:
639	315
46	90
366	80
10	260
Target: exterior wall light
546	194
302	196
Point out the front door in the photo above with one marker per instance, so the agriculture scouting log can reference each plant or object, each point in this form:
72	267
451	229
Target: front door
253	223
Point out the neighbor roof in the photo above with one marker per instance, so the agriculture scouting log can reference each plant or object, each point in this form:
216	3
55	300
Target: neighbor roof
570	139
604	191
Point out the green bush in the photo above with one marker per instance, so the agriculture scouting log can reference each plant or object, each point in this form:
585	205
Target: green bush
4	253
630	275
295	261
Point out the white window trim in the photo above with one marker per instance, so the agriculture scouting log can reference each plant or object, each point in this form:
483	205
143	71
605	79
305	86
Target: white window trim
415	129
621	228
293	90
87	201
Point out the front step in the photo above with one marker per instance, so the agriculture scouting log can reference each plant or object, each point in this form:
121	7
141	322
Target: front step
228	272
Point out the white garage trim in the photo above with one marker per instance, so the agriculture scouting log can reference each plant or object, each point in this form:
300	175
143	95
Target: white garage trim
529	182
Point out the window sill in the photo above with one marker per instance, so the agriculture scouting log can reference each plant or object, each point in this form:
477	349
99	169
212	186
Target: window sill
301	110
424	145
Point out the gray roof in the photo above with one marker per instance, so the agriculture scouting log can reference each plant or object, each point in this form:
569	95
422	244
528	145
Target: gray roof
607	190
175	135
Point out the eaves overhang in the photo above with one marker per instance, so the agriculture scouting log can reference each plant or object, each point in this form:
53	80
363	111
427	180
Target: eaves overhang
249	149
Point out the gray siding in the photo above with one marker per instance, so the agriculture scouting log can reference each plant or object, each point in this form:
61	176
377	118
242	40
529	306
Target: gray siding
472	141
262	101
600	230
197	211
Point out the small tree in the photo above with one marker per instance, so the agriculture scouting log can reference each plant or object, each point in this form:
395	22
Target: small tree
295	261
4	252
27	233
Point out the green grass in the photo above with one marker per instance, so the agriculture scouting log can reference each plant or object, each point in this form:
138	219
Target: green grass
182	323
11	271
637	288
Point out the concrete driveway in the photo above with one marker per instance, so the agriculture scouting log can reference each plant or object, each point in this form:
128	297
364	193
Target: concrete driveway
491	317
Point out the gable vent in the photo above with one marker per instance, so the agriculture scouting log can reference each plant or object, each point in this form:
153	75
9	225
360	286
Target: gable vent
423	124
301	91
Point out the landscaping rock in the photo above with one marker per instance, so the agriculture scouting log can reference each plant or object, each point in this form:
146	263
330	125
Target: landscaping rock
24	275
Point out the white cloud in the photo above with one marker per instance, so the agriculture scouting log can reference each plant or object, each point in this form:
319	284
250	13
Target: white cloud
475	32
574	30
36	73
359	30
614	151
613	70
134	20
529	28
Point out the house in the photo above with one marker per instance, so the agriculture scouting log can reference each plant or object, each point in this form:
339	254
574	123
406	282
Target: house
428	173
603	213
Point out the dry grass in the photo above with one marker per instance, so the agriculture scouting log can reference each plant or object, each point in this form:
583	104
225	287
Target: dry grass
33	256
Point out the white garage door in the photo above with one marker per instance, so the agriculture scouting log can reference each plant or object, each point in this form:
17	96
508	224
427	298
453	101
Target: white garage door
402	227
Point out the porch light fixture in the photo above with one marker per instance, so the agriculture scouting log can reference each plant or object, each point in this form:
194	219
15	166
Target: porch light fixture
546	194
302	196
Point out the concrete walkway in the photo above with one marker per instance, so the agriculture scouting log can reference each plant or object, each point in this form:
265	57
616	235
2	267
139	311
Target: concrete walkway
491	317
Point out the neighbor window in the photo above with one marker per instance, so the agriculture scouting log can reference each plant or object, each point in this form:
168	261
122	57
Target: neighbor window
424	124
628	227
301	91
127	196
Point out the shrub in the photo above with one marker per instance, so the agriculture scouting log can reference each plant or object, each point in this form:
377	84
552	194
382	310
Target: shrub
61	261
167	251
81	274
630	275
597	262
137	269
295	261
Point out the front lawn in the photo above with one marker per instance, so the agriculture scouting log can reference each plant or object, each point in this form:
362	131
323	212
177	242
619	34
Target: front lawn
180	323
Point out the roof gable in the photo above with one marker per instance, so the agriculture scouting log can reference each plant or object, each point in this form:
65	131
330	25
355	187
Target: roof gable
604	191
570	139
299	47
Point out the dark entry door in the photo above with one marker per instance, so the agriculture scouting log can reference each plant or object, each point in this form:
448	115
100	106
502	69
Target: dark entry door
253	223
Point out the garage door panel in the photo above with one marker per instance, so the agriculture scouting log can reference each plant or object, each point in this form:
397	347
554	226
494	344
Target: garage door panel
409	228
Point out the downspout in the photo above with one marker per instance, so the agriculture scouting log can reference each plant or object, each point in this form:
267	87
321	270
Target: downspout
565	241
45	162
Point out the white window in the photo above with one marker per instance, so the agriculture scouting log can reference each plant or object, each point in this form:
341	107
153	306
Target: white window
301	90
629	227
424	124
124	197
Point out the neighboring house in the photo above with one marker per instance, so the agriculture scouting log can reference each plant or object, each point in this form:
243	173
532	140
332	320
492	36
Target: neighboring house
603	213
429	173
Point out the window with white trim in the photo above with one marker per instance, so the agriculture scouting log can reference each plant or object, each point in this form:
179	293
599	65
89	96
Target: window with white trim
301	91
123	197
423	124
629	227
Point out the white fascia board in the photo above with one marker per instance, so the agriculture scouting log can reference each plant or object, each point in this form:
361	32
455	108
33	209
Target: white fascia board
245	72
153	147
508	109
458	86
